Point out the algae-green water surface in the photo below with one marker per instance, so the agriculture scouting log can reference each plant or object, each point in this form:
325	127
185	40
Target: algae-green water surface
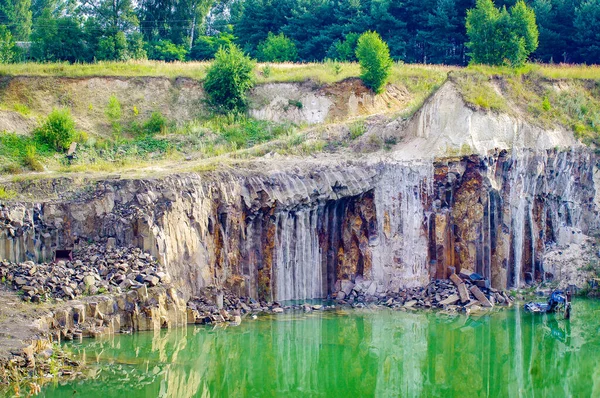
358	353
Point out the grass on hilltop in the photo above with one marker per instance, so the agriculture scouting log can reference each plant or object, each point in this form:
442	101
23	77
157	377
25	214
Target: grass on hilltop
546	95
322	72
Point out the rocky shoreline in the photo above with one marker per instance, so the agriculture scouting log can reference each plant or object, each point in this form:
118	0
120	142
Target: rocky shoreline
92	269
105	290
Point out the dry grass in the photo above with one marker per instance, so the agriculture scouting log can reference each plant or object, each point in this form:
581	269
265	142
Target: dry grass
549	71
544	95
567	71
195	70
322	72
477	90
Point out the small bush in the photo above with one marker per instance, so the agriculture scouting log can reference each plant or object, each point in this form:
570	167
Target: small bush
389	143
12	168
374	58
296	140
58	130
30	159
546	104
357	129
113	109
277	48
375	141
22	109
6	193
81	137
337	68
266	71
296	103
228	80
113	112
149	144
157	123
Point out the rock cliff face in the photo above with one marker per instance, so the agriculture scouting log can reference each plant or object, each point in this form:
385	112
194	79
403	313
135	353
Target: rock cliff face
288	235
293	233
311	103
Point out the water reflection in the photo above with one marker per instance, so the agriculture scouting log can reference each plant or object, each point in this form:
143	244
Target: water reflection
360	353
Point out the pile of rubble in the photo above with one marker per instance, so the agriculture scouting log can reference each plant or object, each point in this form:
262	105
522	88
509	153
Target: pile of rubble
205	309
464	292
95	269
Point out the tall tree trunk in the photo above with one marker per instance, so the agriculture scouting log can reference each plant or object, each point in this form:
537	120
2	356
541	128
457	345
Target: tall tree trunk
192	32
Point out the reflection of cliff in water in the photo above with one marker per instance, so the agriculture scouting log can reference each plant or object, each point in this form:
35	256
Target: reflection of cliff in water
510	353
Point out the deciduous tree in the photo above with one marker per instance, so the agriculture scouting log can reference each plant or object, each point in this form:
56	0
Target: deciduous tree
374	58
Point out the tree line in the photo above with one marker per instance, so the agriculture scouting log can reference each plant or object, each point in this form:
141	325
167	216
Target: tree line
416	31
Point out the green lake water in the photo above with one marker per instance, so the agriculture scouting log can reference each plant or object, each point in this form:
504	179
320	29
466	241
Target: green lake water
358	353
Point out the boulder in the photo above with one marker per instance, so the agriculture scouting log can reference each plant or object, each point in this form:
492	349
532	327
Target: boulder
453	299
89	280
152	280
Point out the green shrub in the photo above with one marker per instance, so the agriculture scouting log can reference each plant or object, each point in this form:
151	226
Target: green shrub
228	80
58	130
81	137
295	103
6	193
11	168
113	109
157	123
277	48
113	112
374	58
22	109
546	104
19	150
337	68
149	144
30	159
357	129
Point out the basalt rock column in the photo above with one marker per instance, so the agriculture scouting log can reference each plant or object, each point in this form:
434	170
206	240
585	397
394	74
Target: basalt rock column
497	214
400	248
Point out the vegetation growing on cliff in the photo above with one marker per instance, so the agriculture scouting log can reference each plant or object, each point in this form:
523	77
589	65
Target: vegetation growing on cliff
228	80
58	130
533	94
373	57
